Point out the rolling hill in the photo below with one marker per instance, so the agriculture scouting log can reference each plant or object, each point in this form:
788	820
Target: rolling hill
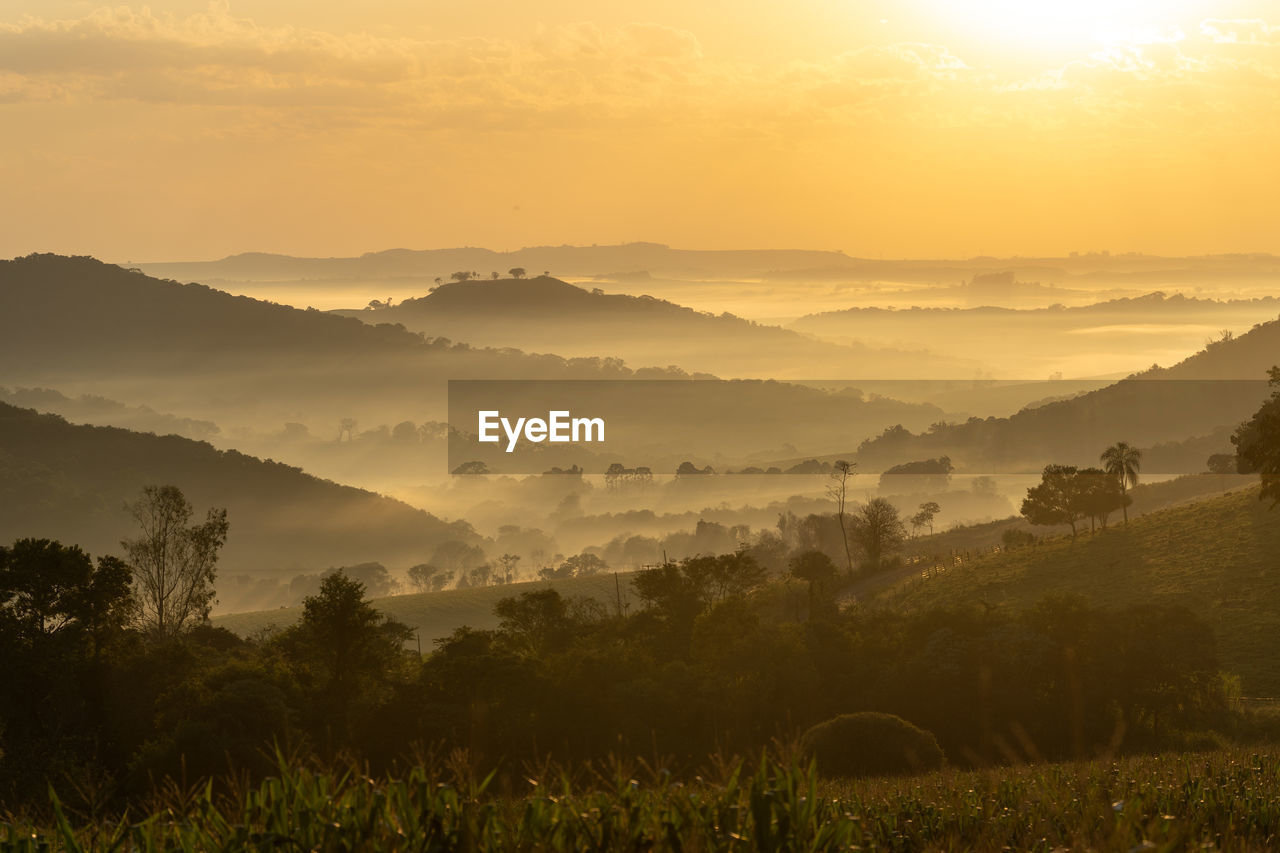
1216	388
79	326
71	482
1215	556
548	315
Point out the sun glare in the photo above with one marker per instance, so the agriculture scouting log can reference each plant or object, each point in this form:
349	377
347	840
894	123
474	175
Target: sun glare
1038	24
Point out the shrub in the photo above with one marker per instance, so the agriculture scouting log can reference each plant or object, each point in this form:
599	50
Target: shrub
1015	538
871	744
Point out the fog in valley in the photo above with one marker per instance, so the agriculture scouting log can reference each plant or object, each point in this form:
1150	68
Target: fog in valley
947	383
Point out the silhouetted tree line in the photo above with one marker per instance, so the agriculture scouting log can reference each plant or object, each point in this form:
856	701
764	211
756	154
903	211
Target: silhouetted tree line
709	662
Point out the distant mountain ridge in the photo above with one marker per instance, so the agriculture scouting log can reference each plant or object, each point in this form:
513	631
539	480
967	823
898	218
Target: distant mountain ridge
660	259
558	260
1174	303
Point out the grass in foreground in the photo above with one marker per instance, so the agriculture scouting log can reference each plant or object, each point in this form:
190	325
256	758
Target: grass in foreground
1224	800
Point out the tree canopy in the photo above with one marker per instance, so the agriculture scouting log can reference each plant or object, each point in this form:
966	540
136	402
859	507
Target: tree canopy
173	561
1257	443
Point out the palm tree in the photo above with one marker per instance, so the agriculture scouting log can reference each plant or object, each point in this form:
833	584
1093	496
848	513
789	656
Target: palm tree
1123	461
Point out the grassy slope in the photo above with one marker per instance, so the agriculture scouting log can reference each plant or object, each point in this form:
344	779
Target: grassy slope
439	614
1220	557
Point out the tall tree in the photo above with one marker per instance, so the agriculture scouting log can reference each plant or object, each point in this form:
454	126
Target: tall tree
879	530
1098	494
839	492
928	511
1257	443
348	652
1056	499
816	568
1122	461
173	561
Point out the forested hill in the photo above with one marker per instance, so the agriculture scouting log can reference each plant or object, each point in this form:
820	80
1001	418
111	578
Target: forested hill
1215	556
71	482
544	314
82	326
1217	388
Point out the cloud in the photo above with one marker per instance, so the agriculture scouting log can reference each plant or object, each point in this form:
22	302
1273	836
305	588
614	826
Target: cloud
587	75
1251	31
633	73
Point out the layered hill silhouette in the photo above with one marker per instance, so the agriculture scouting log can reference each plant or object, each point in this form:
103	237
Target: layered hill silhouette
79	326
71	482
1215	557
1208	393
545	314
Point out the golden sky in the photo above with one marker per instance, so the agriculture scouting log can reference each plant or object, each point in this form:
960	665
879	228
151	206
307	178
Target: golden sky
912	128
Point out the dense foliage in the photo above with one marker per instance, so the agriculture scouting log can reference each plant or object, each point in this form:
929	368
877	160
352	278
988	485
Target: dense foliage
1257	443
714	660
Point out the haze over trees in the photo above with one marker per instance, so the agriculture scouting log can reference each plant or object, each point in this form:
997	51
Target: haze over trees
746	620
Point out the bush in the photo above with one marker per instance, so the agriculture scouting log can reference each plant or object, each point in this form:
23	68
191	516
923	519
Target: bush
871	744
1015	538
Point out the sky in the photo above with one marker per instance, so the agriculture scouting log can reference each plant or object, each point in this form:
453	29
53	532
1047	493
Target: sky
912	128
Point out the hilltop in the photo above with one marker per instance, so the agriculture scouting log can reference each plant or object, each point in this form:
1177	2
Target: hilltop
1216	556
544	314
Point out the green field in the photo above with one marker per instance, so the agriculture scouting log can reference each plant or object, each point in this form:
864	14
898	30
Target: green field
1219	557
438	614
1226	800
